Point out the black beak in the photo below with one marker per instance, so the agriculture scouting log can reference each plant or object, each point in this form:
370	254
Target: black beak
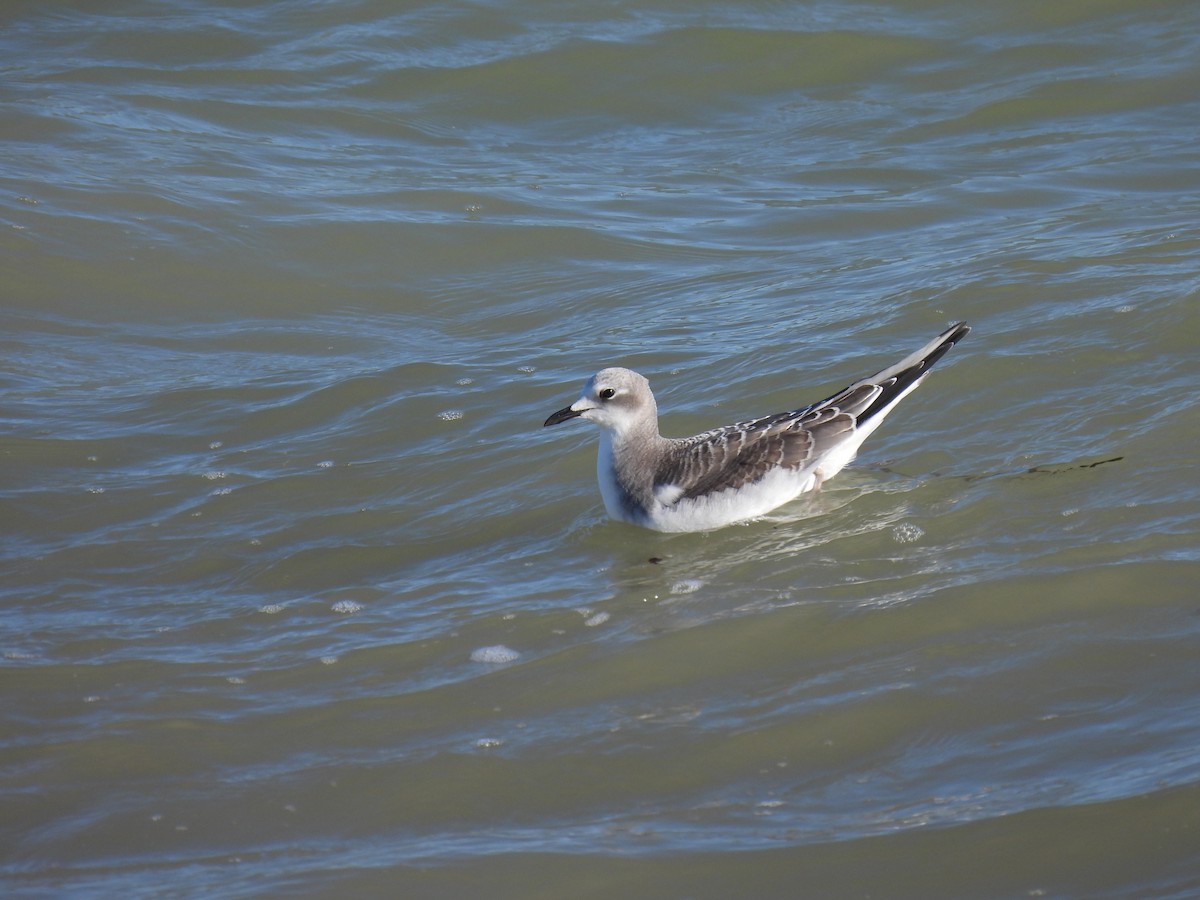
561	416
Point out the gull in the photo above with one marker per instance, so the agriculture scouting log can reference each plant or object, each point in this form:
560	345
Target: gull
741	471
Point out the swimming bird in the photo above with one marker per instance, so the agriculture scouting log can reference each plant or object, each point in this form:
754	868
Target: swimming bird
740	471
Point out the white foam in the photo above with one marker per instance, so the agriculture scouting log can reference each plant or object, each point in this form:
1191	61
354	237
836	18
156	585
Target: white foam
495	654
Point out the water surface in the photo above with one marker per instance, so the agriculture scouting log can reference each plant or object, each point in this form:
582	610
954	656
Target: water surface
297	597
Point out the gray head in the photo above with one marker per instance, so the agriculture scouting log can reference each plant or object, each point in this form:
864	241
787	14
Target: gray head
617	399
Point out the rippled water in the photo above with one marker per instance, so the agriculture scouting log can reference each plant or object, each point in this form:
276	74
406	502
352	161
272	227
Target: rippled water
297	597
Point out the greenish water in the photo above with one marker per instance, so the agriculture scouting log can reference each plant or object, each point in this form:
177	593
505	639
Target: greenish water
297	598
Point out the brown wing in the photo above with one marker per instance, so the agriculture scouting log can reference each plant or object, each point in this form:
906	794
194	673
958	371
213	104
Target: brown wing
737	455
741	454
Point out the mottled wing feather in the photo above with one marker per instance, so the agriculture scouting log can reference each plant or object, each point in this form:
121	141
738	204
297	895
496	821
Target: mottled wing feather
741	454
737	455
831	420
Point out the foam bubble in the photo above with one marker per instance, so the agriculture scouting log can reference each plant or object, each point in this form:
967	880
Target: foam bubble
598	619
908	533
346	607
450	415
495	654
687	586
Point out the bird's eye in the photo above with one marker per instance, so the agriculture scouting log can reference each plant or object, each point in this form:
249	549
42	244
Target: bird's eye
607	394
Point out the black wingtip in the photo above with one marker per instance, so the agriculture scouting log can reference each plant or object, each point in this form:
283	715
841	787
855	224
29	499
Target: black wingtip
950	337
901	380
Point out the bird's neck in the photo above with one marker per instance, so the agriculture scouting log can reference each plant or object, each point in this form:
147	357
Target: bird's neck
625	468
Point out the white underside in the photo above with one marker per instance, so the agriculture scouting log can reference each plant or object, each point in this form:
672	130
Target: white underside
702	513
731	505
726	507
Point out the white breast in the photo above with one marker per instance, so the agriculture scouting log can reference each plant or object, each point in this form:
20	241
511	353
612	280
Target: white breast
606	475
